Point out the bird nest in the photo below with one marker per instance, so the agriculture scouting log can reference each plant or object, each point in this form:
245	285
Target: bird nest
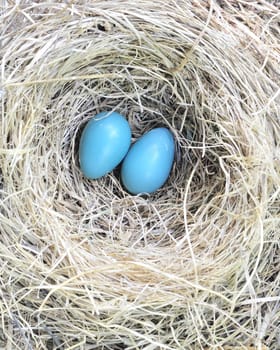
86	265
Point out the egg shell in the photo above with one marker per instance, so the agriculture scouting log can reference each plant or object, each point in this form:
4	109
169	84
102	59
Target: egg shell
148	163
104	143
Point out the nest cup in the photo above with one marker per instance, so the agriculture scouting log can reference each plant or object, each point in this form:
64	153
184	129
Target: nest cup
86	265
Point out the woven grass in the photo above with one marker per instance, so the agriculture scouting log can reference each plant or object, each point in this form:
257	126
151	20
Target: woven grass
84	264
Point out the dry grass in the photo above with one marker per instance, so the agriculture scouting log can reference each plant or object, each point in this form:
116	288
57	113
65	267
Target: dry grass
85	265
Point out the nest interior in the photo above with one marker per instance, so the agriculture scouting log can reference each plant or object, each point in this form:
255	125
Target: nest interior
84	264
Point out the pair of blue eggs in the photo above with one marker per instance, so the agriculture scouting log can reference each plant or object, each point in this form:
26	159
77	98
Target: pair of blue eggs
105	143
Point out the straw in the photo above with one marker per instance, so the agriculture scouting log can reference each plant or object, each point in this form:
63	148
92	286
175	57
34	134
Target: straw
86	265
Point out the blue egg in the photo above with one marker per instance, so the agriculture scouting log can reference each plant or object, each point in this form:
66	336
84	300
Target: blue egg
149	161
104	143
